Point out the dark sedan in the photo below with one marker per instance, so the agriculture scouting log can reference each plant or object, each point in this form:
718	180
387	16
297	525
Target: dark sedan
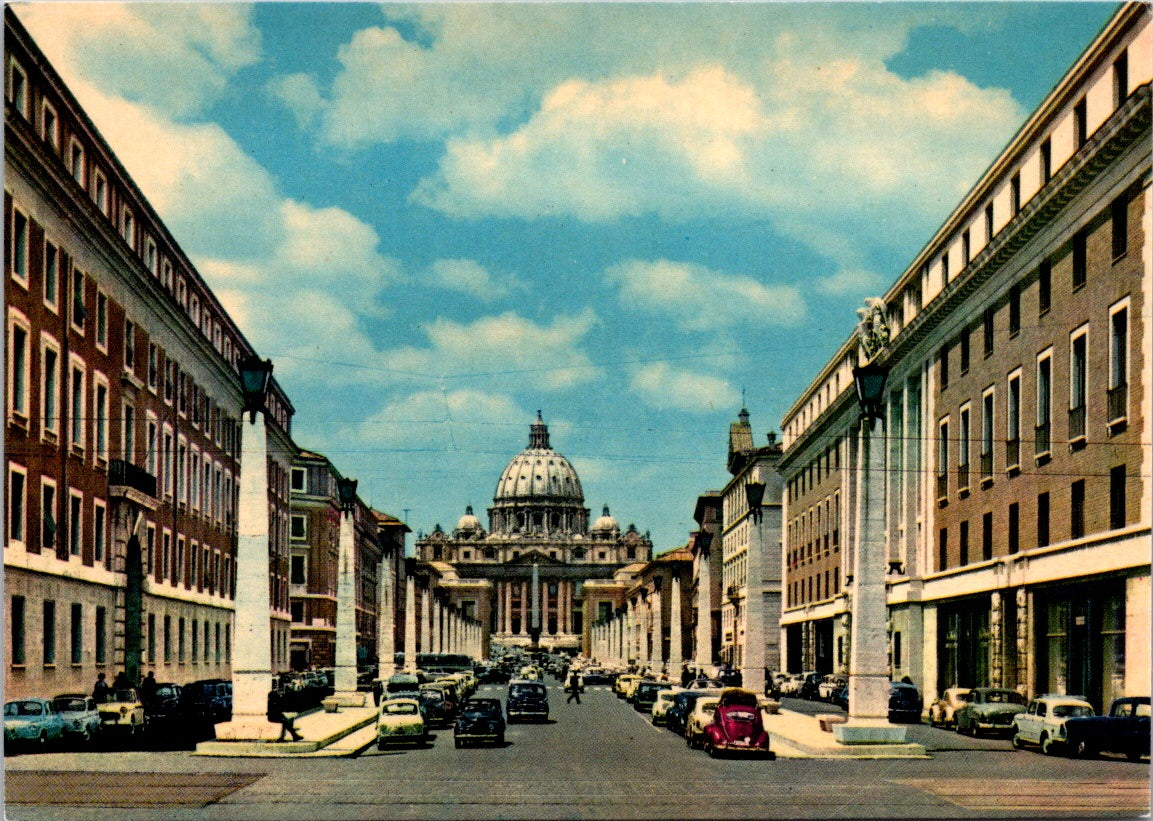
480	721
1124	730
683	702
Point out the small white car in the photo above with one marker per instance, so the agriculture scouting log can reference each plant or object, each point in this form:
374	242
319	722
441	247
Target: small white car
942	710
400	722
80	716
662	704
699	718
1043	722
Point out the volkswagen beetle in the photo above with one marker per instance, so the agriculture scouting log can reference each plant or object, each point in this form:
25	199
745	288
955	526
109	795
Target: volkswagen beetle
737	726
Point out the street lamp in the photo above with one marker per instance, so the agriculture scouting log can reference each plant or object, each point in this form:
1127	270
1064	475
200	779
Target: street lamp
346	488
255	374
870	382
755	494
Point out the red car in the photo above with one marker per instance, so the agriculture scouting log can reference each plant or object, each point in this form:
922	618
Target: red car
737	726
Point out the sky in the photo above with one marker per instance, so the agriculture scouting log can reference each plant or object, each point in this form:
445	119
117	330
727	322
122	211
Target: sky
437	219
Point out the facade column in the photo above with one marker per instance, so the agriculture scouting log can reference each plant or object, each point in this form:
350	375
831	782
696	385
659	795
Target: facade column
676	650
425	645
386	621
252	625
631	630
410	624
524	608
703	652
643	632
544	600
437	623
658	633
344	683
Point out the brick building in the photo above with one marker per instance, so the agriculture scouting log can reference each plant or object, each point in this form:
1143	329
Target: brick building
122	405
1017	461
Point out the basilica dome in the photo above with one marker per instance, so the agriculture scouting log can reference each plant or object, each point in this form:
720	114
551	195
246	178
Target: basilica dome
539	472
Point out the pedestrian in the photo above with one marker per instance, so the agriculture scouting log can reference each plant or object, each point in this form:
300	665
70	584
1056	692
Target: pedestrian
100	689
686	676
574	687
121	681
276	715
148	687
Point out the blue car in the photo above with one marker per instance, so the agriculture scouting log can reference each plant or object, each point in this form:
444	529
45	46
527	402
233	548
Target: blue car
31	721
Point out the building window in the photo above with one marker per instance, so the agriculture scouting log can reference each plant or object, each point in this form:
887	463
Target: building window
963	544
987	536
101	635
1121	79
19	630
964	346
966	249
180	640
101	412
153	366
299	477
1014	528
167	639
1046	158
20	247
943	460
102	321
1044	287
150	260
76	409
987	427
19	365
989	327
75	522
1015	195
943	549
1014	309
944	270
79	307
963	450
1117	512
1080	259
99	530
1044	403
297	609
18	88
1080	123
77	634
49	630
989	222
1077	509
50	125
51	275
100	193
17	503
129	345
128	228
128	446
151	638
1119	219
943	366
298	570
47	513
76	162
1042	519
1118	394
1078	384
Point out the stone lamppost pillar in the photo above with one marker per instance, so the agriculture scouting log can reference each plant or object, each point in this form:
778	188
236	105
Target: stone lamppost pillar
753	667
386	621
344	685
425	645
676	651
409	625
703	652
658	633
437	626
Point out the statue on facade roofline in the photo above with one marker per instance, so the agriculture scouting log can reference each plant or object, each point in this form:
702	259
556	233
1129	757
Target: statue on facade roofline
873	327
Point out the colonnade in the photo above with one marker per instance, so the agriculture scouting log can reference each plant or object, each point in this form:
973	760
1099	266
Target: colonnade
638	633
437	628
514	607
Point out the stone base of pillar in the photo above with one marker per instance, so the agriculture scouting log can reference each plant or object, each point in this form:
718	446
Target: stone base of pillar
858	731
348	698
248	728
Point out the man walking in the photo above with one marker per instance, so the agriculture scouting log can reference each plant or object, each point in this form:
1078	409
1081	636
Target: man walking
574	687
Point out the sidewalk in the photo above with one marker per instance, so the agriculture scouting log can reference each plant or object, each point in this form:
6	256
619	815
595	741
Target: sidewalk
795	735
323	735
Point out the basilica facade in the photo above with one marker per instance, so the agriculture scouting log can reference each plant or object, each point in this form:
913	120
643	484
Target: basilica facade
539	573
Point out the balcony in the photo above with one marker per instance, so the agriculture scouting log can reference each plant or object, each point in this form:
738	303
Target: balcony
1013	455
127	475
1077	427
1118	400
1041	442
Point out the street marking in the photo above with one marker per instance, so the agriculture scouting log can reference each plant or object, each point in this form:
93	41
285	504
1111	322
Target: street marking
1033	794
120	789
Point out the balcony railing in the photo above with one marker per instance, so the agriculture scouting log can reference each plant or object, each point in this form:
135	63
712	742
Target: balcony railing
1012	454
963	477
1076	424
987	465
1118	403
126	474
1041	441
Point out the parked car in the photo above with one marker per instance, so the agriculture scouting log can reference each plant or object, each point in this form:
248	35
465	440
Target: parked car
480	720
400	722
623	683
526	700
494	675
737	726
791	684
943	710
208	701
31	721
841	698
1043	722
809	686
661	706
122	711
829	686
645	694
80	716
905	703
164	709
597	675
989	709
677	716
699	718
1125	729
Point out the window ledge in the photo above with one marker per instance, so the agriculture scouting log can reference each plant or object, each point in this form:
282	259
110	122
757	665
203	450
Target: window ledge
1043	458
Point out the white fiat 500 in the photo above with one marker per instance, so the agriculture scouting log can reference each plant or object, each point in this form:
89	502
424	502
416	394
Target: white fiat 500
400	722
1043	722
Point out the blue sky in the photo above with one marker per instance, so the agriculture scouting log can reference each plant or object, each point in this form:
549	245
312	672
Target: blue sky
438	218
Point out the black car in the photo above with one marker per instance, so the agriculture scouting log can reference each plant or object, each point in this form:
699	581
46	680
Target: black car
904	703
645	694
494	675
208	701
480	720
437	711
810	684
164	708
527	700
595	675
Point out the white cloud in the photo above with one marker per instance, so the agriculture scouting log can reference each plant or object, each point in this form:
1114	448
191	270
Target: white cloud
700	299
469	277
300	94
190	50
664	387
457	420
505	349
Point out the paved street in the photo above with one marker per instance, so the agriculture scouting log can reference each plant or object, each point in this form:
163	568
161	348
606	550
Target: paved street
600	759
